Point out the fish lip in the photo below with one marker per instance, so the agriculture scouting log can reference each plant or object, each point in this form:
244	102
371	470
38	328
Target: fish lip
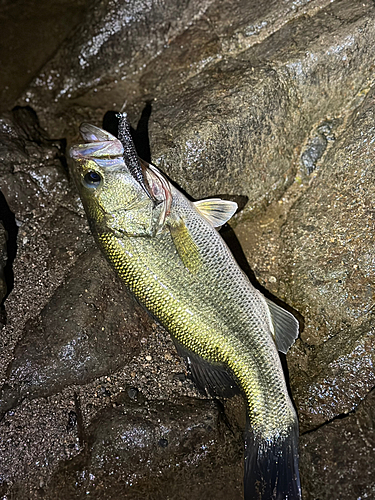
92	133
102	149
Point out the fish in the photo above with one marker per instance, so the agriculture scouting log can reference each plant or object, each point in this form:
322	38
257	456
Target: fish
169	253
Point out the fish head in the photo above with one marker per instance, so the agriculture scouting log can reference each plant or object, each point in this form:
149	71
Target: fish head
111	196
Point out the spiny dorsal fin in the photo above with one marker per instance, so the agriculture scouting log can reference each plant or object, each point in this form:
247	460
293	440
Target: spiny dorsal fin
210	378
285	324
216	210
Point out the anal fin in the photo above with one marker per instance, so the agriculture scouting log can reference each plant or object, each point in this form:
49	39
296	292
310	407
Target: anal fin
210	378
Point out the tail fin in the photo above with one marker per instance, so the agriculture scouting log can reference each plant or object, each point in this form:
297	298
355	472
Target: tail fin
271	467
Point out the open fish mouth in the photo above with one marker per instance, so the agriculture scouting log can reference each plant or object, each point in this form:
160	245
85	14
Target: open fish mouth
98	144
102	144
106	150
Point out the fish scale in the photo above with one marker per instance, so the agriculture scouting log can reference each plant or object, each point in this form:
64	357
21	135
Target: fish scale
177	265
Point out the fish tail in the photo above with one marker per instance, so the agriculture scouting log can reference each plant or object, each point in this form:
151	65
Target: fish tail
271	467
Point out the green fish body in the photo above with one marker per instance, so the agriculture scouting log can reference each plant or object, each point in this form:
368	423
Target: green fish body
169	253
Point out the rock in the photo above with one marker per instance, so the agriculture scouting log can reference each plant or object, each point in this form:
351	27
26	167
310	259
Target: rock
90	327
33	168
337	459
149	449
331	233
108	58
48	232
34	438
112	43
3	261
238	126
313	251
269	101
27	49
213	99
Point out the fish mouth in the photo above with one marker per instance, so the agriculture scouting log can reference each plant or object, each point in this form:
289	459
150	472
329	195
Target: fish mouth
98	144
107	151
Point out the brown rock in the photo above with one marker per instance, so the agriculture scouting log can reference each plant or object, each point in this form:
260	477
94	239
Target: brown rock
337	459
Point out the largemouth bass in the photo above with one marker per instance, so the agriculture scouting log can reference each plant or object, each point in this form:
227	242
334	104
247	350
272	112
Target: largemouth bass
169	253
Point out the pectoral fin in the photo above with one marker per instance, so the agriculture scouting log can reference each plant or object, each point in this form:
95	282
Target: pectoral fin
216	210
286	326
185	246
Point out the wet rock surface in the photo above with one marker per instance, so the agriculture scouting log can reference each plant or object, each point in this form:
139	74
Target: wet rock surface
88	328
342	447
336	270
271	102
167	439
214	151
327	224
32	32
3	261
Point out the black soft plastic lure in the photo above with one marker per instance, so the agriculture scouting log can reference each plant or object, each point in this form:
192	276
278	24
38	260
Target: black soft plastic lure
130	156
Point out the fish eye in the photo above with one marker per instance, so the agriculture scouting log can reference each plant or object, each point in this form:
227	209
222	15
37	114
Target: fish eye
92	179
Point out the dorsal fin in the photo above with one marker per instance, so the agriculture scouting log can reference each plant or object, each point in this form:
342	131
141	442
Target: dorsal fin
285	324
216	210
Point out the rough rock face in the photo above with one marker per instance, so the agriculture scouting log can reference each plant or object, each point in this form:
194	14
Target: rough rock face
164	437
3	260
322	265
336	272
32	31
270	102
223	89
341	447
118	46
241	122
